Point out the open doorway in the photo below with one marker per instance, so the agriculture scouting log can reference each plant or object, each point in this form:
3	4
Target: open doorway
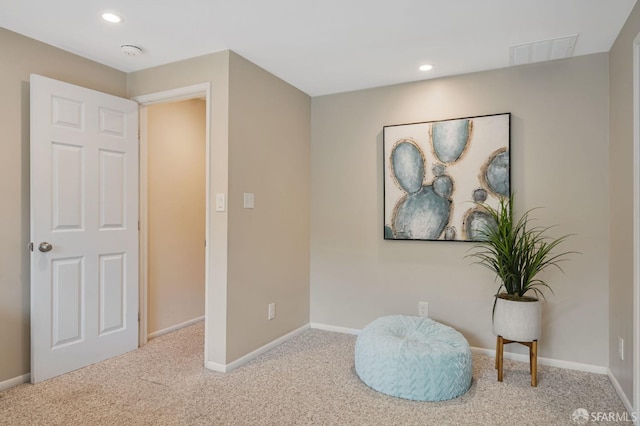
174	177
176	214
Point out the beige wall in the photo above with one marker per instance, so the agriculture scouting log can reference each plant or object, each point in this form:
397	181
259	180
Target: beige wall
559	157
260	143
21	57
176	212
269	156
260	137
621	201
213	69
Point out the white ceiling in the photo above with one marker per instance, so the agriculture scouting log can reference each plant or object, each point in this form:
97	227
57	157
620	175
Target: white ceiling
320	46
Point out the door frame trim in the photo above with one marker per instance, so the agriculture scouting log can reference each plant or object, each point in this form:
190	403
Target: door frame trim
173	95
636	227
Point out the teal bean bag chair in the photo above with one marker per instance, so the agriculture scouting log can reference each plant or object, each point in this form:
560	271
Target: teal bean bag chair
414	358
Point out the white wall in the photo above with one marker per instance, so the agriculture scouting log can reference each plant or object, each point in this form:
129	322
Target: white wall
559	160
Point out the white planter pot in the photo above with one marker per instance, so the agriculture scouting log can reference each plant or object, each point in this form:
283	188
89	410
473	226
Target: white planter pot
517	321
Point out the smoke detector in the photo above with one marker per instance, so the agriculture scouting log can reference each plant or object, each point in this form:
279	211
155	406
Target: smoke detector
131	50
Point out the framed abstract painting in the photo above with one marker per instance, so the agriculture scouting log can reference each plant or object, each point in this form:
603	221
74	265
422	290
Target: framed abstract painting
437	173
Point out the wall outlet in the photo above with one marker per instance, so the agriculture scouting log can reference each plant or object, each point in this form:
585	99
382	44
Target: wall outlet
423	309
272	311
621	348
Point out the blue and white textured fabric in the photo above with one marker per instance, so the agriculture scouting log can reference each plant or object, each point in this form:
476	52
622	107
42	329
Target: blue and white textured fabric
414	358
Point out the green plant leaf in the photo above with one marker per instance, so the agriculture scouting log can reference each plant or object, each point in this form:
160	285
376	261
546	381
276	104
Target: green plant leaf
517	251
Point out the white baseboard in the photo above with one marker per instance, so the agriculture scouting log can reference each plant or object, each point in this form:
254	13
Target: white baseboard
335	328
174	328
545	361
25	378
214	366
492	353
248	357
620	392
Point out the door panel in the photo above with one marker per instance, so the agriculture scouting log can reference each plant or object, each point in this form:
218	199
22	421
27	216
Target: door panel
67	301
67	113
67	183
84	202
112	292
113	190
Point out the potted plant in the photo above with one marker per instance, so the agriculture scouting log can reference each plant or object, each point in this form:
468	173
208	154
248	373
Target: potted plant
517	252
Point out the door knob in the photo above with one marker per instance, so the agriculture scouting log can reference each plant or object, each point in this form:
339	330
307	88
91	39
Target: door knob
45	247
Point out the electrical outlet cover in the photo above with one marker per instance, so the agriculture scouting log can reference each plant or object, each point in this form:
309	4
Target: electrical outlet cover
621	348
423	309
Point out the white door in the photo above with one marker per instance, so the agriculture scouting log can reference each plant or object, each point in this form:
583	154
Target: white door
84	227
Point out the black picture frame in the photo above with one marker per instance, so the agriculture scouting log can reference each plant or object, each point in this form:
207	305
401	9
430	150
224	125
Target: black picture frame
436	173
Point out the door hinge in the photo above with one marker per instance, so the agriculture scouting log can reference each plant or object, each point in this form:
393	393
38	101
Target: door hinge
138	316
30	246
205	243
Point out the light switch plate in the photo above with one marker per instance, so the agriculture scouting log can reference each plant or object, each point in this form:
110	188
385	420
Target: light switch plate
220	202
248	200
272	311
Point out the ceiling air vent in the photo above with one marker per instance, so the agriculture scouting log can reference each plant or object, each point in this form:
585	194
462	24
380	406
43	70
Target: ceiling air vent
543	50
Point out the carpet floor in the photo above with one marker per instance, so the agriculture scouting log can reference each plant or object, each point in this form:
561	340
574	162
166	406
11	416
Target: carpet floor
309	380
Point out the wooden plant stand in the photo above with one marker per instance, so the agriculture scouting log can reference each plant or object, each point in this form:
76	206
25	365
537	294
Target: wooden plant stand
533	358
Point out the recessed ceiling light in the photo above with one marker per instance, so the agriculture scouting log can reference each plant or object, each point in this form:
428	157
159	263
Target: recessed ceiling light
114	18
425	67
